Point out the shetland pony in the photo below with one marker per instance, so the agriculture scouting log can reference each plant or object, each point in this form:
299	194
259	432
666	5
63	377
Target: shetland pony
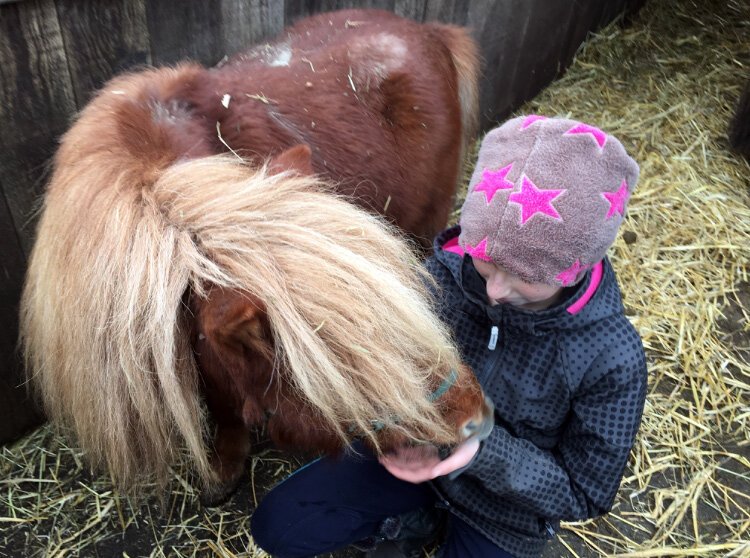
167	279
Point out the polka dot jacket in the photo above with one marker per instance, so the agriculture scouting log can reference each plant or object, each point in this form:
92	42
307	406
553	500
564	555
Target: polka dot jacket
568	388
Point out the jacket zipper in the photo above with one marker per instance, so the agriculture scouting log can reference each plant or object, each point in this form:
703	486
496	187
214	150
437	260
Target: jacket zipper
492	360
493	338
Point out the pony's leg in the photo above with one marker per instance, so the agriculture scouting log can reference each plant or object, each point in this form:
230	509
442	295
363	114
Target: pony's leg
231	450
231	443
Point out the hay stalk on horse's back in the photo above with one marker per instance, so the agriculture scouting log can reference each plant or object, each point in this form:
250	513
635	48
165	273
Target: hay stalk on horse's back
164	275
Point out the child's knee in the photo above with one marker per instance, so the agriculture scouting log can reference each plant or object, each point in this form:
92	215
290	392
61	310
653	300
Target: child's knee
284	529
269	526
289	531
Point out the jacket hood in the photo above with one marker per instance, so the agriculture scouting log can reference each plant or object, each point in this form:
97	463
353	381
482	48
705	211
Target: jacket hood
595	297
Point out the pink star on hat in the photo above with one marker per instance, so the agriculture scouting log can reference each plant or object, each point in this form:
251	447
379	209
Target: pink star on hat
596	133
530	119
617	199
479	251
533	200
569	275
492	181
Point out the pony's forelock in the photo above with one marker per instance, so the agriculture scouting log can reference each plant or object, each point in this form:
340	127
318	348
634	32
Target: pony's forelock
344	295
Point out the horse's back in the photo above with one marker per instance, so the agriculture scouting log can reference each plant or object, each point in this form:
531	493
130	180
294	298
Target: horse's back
375	96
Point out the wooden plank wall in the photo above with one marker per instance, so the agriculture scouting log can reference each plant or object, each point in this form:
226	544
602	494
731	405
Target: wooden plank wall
55	53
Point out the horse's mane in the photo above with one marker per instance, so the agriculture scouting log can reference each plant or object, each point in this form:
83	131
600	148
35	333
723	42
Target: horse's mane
105	326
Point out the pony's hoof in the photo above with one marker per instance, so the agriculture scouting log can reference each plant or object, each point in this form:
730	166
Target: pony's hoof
217	494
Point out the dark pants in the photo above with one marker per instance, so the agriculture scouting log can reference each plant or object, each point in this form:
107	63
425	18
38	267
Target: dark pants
331	503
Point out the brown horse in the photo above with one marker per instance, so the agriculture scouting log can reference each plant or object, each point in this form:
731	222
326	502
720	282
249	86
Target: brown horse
165	275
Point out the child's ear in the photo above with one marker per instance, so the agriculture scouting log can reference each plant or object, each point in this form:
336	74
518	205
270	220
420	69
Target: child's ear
297	158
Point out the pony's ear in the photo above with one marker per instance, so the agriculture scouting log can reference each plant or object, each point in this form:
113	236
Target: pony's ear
297	158
233	319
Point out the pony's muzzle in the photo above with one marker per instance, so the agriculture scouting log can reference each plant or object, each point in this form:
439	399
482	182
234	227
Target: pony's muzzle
477	427
480	426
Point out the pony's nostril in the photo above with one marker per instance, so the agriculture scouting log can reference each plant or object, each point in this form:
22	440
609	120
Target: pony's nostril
480	427
470	428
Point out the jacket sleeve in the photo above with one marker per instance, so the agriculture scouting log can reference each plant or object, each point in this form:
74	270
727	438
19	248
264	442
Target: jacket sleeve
578	478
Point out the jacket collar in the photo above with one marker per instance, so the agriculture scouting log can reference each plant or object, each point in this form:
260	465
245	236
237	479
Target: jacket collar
595	297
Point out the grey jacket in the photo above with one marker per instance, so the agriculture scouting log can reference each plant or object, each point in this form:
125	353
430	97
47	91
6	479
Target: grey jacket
568	390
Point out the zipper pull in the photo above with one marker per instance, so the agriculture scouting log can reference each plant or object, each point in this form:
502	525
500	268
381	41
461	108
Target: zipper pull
493	338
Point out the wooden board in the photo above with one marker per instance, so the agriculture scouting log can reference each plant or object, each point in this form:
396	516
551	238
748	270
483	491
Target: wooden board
501	51
17	411
526	44
297	9
36	103
36	100
181	30
101	39
246	22
447	11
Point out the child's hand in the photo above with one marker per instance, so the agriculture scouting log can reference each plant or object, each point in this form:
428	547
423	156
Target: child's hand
417	464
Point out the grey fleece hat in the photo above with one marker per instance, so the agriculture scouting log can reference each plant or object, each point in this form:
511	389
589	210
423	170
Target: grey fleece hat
546	198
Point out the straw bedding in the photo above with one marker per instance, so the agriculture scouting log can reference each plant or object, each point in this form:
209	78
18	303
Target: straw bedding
666	85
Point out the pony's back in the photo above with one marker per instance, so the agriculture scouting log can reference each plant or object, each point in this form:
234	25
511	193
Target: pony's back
386	104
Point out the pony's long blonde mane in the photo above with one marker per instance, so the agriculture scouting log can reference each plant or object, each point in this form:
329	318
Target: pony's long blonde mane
105	328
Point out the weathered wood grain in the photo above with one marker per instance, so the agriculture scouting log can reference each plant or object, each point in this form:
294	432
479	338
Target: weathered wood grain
36	103
526	44
297	9
246	22
499	27
17	411
182	29
541	59
413	9
447	11
102	38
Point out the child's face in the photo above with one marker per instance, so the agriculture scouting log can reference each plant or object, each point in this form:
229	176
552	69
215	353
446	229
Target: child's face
504	288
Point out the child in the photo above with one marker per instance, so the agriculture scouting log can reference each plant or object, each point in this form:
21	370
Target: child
535	308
